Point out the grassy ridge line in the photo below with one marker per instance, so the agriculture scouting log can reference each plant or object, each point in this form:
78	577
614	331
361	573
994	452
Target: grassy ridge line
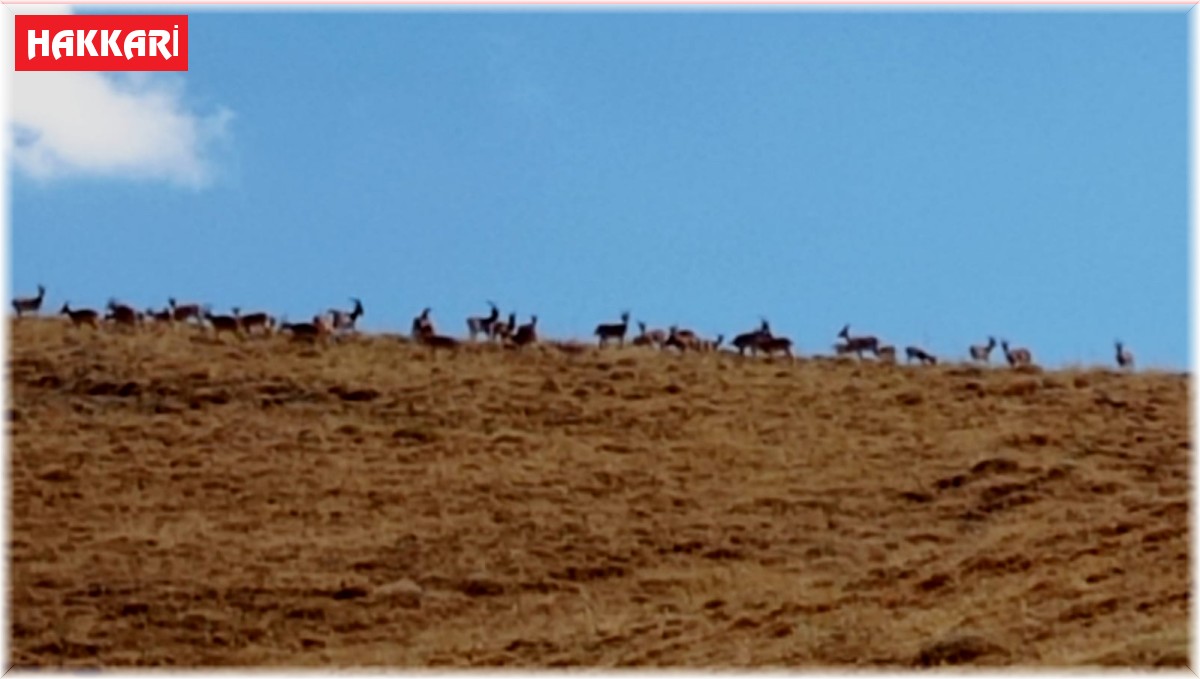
575	345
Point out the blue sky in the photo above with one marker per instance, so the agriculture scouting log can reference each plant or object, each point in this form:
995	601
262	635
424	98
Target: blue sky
929	177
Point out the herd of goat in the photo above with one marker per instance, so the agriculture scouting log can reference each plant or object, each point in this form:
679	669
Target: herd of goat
508	332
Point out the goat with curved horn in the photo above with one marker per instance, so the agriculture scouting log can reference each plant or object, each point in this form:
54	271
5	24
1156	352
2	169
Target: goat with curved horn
483	324
1124	355
1016	357
982	352
340	319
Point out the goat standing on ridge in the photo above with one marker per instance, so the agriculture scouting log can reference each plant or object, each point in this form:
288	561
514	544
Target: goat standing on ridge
526	334
423	333
751	340
982	352
607	331
122	314
259	319
422	326
769	344
183	312
859	344
503	330
1016	357
81	316
483	324
345	320
1124	356
29	304
222	324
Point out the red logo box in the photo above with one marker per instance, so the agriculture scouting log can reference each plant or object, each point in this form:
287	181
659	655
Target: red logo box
101	42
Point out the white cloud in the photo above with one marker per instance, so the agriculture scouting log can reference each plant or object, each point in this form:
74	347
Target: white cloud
132	126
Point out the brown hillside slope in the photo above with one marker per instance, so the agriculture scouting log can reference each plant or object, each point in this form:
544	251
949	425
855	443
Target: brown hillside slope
196	502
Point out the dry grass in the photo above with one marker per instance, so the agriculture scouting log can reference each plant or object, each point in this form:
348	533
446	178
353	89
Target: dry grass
179	500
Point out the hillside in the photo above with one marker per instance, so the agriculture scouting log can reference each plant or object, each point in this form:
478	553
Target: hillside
179	500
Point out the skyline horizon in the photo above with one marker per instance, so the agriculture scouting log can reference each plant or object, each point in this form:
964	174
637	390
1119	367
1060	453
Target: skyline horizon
51	310
931	177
